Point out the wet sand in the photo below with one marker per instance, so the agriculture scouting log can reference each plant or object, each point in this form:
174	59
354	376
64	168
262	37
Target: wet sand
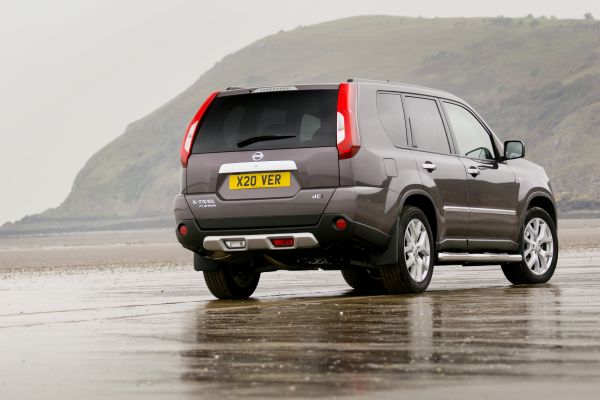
123	315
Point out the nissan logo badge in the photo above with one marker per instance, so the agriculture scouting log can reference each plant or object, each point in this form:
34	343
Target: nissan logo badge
257	156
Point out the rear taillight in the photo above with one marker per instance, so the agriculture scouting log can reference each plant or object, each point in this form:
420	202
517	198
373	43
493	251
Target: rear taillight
348	141
190	133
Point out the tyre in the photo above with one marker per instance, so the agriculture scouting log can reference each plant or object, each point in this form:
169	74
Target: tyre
412	272
539	247
232	281
363	280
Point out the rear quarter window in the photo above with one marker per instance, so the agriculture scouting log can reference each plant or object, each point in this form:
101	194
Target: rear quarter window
391	117
271	120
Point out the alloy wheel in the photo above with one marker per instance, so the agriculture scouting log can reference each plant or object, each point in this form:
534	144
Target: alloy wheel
417	250
539	246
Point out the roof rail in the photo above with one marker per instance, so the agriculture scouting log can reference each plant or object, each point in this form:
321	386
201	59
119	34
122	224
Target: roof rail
395	83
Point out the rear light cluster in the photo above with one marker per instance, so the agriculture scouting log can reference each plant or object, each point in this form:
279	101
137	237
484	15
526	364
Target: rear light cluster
348	141
190	133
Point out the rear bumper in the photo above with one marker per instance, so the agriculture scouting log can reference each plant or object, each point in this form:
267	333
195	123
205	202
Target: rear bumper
324	232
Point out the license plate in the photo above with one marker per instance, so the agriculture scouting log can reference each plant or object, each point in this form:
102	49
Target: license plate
259	180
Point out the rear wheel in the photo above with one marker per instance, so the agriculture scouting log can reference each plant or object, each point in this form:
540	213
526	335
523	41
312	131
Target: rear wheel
232	281
413	270
539	247
363	280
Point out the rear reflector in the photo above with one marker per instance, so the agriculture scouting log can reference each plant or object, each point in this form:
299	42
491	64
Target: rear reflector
341	224
283	242
183	230
348	141
190	133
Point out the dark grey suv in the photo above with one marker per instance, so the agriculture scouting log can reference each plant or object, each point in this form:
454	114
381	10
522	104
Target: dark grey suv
379	180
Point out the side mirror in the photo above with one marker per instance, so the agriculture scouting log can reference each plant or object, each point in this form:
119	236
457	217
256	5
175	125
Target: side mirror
513	149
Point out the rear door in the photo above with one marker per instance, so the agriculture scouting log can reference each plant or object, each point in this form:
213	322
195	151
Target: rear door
493	190
442	173
264	158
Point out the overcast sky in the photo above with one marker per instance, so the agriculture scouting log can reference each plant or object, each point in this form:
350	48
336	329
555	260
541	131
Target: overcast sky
74	73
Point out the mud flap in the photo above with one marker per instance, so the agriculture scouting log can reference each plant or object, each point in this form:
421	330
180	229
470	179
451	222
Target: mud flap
390	255
202	264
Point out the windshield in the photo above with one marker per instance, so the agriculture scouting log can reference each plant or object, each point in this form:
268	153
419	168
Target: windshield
271	120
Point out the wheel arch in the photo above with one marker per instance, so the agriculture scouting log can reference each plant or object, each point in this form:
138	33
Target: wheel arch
421	199
543	201
413	197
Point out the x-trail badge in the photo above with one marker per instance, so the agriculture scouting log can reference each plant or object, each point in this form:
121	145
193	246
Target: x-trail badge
257	156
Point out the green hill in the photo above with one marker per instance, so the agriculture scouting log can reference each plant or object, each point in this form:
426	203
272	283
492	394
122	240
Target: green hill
532	78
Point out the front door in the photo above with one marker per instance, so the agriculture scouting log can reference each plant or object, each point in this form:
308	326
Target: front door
493	190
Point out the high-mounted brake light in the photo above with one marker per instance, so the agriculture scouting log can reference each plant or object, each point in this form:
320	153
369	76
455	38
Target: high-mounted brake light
190	133
348	141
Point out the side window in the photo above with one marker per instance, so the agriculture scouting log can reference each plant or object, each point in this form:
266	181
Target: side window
471	137
391	116
426	124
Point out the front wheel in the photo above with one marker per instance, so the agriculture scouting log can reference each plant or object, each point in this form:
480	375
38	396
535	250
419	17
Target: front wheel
539	248
412	272
232	281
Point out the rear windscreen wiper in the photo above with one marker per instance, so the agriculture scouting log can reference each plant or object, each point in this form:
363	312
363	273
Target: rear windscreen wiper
255	139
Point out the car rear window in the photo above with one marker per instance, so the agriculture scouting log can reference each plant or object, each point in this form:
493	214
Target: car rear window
271	120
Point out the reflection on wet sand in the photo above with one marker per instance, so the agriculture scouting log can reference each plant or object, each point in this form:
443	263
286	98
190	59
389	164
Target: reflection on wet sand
106	320
349	345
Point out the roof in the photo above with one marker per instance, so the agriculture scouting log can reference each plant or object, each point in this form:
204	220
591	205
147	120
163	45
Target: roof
402	87
409	88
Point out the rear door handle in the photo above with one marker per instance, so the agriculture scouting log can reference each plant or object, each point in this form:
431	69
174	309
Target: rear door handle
473	171
429	166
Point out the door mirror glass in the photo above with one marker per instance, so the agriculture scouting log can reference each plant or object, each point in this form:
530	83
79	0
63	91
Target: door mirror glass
514	149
